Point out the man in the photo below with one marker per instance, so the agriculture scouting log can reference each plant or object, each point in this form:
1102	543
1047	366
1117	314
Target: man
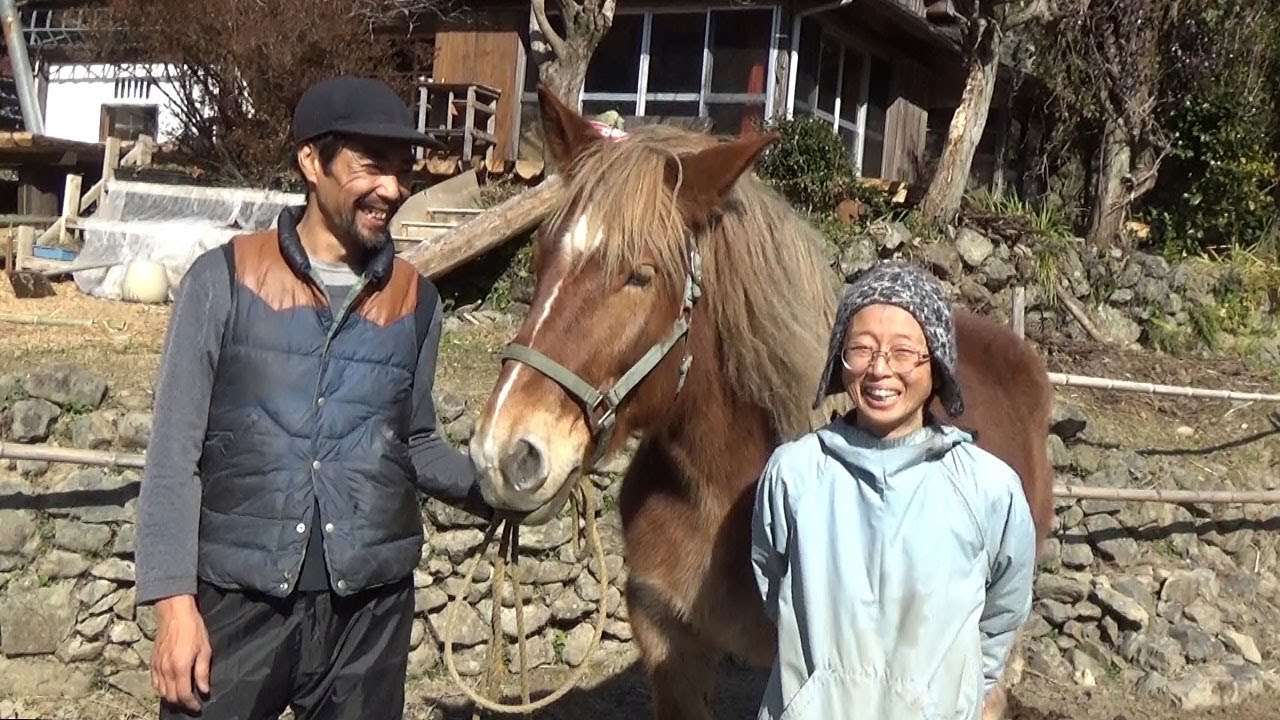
278	523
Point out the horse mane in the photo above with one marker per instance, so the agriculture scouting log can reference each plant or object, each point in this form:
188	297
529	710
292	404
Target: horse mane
765	276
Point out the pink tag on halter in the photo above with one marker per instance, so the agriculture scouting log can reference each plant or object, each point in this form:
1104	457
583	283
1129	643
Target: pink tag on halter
608	130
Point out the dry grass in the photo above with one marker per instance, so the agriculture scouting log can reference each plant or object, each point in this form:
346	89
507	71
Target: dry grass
123	345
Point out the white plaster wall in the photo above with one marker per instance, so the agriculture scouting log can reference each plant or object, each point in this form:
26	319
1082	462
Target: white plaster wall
76	93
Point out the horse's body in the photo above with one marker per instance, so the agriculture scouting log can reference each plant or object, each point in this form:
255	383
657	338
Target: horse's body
611	273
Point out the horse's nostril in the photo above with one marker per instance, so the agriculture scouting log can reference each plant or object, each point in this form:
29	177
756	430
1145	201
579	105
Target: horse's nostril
524	466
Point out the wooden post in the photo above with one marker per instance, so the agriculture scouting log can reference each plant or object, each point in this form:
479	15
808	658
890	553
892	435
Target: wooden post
110	159
26	246
1020	311
486	231
70	205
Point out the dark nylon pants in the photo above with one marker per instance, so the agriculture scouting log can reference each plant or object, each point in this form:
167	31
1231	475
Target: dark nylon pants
327	657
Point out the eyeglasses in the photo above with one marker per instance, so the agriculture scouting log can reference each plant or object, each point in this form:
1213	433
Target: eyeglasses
901	360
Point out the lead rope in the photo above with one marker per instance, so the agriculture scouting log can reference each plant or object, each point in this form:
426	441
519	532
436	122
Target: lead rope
584	503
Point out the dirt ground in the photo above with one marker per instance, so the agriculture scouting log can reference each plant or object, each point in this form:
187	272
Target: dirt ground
123	343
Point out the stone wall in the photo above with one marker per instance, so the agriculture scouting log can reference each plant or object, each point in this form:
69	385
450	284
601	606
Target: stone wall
1131	297
68	617
1182	603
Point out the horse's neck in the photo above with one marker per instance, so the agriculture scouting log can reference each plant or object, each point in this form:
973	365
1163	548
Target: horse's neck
720	441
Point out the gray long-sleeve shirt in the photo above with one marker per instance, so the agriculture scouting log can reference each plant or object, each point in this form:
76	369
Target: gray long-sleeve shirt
169	502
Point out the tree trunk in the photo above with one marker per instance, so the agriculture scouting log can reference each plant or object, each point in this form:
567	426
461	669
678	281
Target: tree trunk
950	180
565	76
1110	196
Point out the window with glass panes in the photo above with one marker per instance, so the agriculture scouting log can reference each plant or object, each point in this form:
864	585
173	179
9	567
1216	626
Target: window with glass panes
839	83
684	63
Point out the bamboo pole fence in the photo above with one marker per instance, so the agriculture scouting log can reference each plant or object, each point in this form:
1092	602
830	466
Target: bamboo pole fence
19	451
1098	383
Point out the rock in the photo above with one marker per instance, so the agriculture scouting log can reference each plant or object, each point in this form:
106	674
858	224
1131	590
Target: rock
857	257
1072	517
1056	613
973	247
1204	615
31	677
1076	553
114	569
942	260
539	651
134	682
94	431
126	541
569	607
554	571
1044	658
974	294
141	400
1196	644
449	406
19	529
549	535
94	626
467	627
1134	588
134	430
59	564
461	430
1059	456
890	236
1158	654
429	599
444	516
69	386
10	388
1184	586
1067	420
145	616
1036	626
93	592
1127	611
1242	645
536	617
998	273
1122	296
1194	690
78	649
125	633
577	644
80	537
1116	327
1111	540
31	421
423	658
1087	611
105	603
35	622
90	495
1061	588
458	544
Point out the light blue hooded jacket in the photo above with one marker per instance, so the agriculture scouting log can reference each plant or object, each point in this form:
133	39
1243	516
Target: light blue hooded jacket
897	572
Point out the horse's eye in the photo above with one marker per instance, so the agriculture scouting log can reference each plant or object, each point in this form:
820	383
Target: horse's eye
641	276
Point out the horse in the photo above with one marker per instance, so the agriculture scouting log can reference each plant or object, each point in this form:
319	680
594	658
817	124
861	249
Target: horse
680	299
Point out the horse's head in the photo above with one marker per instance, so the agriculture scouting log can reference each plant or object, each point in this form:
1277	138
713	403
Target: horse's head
602	351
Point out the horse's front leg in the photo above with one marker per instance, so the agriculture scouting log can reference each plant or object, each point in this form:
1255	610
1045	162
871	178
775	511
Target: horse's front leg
681	666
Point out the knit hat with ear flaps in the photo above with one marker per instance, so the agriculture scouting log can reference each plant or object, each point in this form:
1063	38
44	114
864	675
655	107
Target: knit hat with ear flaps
913	290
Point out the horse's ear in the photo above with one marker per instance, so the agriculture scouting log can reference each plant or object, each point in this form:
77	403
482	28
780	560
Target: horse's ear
704	178
565	132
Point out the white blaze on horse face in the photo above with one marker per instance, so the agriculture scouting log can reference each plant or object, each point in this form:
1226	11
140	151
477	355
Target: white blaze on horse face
536	418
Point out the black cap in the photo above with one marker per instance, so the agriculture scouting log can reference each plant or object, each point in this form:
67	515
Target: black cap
356	106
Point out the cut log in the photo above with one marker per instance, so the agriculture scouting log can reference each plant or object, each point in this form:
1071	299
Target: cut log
486	231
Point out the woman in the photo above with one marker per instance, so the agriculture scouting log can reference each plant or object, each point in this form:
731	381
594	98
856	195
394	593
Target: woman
894	554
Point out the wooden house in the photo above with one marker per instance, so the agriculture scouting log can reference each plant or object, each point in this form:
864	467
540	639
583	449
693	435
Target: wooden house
886	74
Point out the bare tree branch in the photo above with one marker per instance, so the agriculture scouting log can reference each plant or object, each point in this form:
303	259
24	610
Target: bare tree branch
549	36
